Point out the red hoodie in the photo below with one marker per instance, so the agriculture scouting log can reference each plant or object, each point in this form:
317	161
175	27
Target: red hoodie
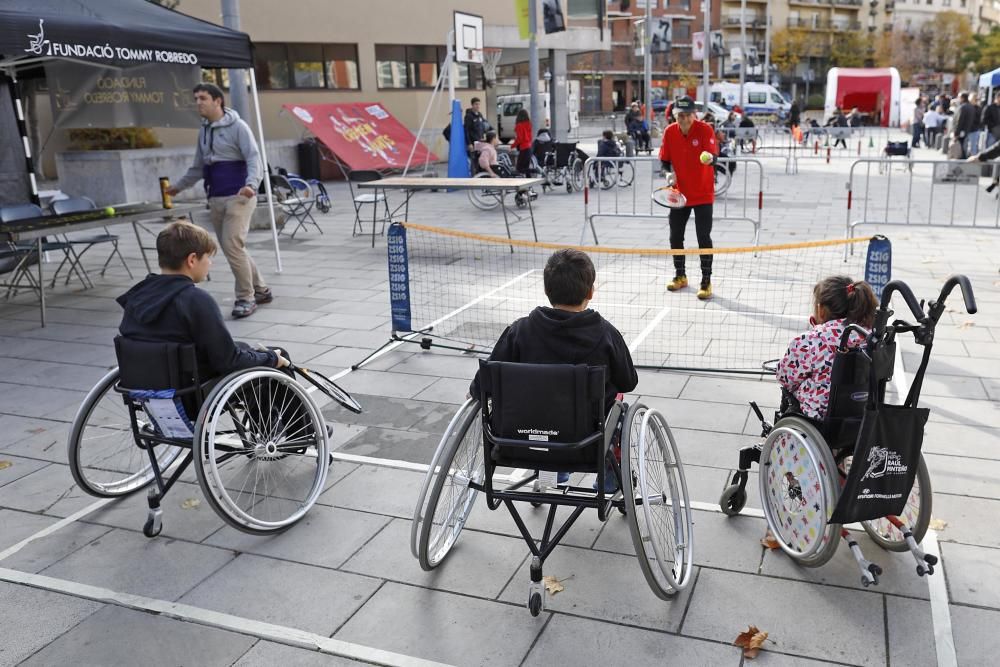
694	179
522	135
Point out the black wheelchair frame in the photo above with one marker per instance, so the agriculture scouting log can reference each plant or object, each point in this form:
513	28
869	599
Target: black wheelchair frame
851	382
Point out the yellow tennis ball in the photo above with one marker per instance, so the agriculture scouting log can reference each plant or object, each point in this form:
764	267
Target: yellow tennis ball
705	157
110	210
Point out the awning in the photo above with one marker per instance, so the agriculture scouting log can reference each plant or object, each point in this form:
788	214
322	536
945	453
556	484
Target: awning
118	33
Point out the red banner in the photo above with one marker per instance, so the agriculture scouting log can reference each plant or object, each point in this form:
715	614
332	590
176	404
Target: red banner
362	134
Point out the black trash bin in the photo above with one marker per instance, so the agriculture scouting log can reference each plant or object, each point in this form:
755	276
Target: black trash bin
309	160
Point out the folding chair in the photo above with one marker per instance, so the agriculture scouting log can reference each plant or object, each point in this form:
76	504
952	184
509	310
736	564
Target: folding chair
373	198
77	205
23	212
296	199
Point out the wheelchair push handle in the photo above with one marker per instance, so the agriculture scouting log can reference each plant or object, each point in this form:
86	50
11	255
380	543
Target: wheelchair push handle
965	286
907	294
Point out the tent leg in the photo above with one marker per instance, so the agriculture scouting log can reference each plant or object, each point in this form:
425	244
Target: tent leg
267	170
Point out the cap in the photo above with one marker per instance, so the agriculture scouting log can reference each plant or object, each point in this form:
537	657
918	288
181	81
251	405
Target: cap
684	104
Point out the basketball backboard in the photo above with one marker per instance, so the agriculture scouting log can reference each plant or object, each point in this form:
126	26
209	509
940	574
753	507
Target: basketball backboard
468	38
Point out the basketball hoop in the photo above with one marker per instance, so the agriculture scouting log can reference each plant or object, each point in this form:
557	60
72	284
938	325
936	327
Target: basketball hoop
490	60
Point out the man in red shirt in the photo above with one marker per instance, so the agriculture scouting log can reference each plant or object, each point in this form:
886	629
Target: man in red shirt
683	144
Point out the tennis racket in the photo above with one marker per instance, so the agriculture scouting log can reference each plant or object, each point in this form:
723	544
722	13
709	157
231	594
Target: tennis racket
669	196
328	387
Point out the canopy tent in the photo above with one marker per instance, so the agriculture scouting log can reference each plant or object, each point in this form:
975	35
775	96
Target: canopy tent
118	33
874	90
990	81
363	135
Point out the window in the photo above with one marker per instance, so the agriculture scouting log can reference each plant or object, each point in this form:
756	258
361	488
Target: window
220	77
399	66
512	108
682	31
775	97
284	66
757	98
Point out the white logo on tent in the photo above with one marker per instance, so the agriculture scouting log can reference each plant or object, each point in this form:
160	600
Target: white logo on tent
303	114
37	42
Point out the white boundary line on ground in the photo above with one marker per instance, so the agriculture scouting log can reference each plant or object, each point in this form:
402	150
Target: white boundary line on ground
937	588
182	612
72	518
653	323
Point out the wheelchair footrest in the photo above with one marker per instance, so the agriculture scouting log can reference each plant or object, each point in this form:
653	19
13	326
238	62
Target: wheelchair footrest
870	572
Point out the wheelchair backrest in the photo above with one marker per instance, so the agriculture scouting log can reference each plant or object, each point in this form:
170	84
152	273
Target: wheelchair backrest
156	365
850	386
542	403
564	153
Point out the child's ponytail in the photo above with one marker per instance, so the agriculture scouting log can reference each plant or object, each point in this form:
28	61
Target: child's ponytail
844	298
861	303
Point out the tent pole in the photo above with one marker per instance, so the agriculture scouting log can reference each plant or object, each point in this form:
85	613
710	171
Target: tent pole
22	127
267	168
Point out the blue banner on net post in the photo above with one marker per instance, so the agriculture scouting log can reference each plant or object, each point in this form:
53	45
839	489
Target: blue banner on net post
878	264
399	278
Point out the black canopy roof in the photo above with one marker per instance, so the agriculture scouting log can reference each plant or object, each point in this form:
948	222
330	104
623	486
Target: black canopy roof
118	33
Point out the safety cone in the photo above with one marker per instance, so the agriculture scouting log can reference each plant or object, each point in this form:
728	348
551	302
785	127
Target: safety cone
826	142
871	142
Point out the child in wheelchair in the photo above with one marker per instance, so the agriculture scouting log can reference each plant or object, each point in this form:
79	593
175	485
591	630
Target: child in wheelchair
168	307
804	373
569	332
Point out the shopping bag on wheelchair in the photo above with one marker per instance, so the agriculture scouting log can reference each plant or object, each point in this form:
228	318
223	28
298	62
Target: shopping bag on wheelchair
884	465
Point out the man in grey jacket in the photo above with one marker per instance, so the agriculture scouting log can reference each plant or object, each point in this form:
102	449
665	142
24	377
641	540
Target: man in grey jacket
228	160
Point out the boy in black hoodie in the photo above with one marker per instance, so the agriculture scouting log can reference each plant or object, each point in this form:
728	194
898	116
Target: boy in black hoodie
167	307
568	332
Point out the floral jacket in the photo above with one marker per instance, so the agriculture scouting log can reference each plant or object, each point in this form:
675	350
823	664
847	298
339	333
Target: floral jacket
806	368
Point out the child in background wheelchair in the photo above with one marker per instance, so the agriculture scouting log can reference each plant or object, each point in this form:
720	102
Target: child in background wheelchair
838	453
487	162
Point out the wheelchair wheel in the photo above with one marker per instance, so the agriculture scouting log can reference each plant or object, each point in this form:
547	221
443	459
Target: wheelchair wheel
261	450
602	175
484	200
576	175
723	179
626	174
916	515
656	501
103	456
451	495
799	486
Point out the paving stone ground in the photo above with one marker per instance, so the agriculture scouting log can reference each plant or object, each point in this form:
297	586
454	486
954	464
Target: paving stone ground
346	571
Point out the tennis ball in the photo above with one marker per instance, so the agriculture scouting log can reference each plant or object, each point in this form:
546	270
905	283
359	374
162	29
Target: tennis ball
110	210
705	157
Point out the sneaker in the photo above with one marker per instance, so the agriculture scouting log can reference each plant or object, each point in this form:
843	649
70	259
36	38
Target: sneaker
705	293
264	296
562	478
610	482
243	308
678	283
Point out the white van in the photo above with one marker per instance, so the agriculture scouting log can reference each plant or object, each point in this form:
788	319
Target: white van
758	98
509	105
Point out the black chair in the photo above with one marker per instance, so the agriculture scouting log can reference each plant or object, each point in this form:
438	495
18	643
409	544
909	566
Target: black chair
373	199
26	253
78	205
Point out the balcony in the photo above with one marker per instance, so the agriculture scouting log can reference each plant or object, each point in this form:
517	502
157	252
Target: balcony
809	2
845	26
749	19
806	23
849	3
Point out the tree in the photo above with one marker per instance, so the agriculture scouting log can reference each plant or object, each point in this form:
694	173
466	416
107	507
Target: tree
950	34
848	50
787	49
896	49
984	51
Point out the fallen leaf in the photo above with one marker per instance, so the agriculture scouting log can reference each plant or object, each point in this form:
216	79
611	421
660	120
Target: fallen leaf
751	641
938	524
190	504
40	429
5	464
769	541
966	324
553	585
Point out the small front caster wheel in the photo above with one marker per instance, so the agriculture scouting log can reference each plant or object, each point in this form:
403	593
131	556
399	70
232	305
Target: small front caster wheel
152	527
535	604
733	500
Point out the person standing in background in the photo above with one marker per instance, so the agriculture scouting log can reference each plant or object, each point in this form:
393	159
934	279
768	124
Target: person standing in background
522	141
228	160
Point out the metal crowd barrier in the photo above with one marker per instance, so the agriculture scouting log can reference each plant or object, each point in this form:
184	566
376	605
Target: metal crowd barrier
921	193
742	202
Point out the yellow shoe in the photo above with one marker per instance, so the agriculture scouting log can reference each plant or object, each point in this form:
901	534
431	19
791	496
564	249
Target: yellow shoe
678	283
705	293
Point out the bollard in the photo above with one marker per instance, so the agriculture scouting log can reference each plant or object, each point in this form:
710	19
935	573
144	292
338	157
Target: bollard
816	147
859	148
753	146
828	155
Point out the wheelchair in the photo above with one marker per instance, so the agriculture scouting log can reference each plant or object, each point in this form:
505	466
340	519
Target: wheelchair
896	149
258	441
562	165
813	473
489	199
550	417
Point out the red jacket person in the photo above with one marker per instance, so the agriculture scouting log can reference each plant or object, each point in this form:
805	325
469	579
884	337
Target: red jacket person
684	142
